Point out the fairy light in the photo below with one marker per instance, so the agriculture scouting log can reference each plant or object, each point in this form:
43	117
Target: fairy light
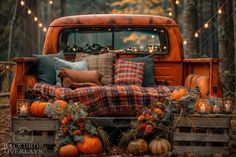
185	42
177	2
35	19
40	25
206	25
44	29
196	35
29	11
170	13
219	11
51	2
22	3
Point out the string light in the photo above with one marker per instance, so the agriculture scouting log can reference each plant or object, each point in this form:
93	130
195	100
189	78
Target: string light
35	19
51	2
196	35
29	11
177	2
219	11
44	29
170	13
206	25
40	25
22	3
185	42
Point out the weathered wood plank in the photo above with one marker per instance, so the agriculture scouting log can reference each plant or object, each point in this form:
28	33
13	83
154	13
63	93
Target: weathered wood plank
36	125
201	150
204	122
201	137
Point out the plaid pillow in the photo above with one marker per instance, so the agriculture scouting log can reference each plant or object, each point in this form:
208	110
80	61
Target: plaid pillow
128	73
103	63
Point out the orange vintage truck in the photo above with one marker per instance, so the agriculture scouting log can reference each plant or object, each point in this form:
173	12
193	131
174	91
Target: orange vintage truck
127	36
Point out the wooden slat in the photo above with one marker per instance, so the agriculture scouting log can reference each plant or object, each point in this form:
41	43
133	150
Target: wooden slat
50	140
35	125
201	137
201	150
49	154
204	122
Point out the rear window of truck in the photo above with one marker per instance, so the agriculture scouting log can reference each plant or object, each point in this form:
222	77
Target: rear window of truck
140	40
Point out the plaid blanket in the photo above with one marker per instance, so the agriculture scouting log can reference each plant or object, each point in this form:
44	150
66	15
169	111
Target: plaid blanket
101	100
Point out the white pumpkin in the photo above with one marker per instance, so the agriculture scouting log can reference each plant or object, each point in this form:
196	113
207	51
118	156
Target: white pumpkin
159	146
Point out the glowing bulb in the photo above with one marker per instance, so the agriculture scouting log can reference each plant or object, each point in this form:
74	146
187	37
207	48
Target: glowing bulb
29	12
196	35
51	2
155	29
220	11
170	13
185	42
44	29
177	2
35	19
22	3
206	25
40	25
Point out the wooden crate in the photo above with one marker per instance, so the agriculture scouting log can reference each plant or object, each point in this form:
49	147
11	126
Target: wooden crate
39	131
202	134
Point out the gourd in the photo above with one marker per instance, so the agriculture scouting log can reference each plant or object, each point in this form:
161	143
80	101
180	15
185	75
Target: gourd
138	146
159	146
91	145
68	150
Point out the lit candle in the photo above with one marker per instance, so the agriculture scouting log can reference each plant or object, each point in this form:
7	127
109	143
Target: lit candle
23	110
203	108
216	109
227	106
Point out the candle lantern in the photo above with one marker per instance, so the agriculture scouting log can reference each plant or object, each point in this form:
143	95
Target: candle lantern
217	106
228	105
202	106
23	107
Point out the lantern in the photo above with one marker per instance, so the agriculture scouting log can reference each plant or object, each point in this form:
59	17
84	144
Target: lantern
23	107
227	105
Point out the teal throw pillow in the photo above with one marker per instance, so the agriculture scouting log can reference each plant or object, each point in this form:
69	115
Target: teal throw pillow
148	76
45	66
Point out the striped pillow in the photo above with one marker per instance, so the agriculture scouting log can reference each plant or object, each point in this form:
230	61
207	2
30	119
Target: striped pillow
128	73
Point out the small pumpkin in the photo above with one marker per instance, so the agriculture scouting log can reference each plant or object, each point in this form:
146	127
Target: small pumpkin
37	108
91	145
68	150
62	103
138	146
178	93
159	146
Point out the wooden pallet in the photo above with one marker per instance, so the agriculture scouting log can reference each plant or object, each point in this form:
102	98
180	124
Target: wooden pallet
202	134
39	131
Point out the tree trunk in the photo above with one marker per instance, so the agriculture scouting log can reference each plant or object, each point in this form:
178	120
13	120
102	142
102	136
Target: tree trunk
189	27
234	18
226	48
11	30
63	5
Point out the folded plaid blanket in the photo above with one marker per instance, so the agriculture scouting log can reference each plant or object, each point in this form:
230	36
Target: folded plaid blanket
106	99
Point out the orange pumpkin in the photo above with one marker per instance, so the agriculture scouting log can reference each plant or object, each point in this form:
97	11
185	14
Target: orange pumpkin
37	108
178	93
159	146
68	150
62	103
30	80
91	145
202	82
138	146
